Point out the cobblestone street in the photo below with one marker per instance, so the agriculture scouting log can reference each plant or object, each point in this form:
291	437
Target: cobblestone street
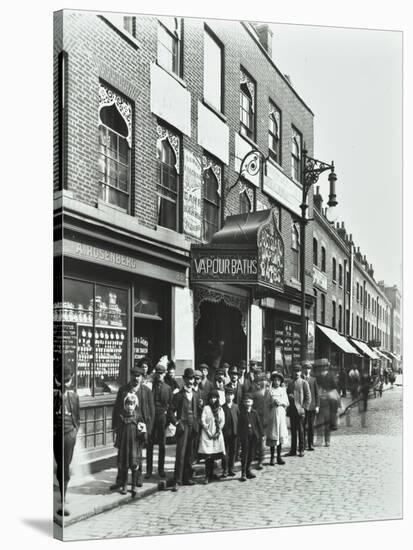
358	478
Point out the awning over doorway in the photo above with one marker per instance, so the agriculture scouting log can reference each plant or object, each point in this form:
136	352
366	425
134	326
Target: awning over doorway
391	355
338	340
248	250
364	348
381	354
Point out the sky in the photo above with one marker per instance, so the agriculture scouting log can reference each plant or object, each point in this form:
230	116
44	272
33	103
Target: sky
352	81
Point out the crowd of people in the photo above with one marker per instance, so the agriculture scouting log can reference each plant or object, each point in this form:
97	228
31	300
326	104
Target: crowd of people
215	418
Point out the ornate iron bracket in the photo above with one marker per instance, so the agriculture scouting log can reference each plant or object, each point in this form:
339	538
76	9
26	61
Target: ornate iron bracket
250	164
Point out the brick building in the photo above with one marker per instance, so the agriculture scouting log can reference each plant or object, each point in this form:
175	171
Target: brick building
161	247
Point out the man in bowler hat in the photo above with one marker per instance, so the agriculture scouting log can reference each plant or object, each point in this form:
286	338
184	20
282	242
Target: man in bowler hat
145	408
162	399
314	407
299	396
186	410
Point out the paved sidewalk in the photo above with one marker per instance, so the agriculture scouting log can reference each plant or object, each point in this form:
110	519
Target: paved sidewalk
89	494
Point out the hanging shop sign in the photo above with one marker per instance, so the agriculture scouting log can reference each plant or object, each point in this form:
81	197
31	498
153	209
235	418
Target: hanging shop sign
192	194
319	279
248	249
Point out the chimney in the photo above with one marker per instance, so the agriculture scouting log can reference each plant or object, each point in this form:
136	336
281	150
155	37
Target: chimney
342	231
370	270
318	200
265	35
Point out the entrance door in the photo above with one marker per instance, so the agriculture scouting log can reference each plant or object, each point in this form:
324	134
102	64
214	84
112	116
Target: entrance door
149	340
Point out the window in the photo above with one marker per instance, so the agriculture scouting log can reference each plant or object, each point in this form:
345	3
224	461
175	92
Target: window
368	301
333	319
129	24
212	71
334	268
296	155
315	305
358	292
347	321
168	44
361	295
245	203
357	326
315	251
274	133
323	309
348	281
211	204
247	106
323	259
295	246
340	275
114	154
340	318
167	188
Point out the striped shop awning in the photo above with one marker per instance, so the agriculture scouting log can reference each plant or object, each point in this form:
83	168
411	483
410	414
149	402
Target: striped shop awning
338	340
364	348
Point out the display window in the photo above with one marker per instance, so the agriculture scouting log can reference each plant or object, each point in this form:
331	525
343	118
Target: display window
91	330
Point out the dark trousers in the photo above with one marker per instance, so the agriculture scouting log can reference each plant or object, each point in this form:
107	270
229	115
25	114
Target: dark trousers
122	477
309	421
63	447
184	454
228	460
260	449
324	420
297	429
248	450
156	437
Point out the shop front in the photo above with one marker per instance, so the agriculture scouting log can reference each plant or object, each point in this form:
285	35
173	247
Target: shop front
243	262
370	357
337	349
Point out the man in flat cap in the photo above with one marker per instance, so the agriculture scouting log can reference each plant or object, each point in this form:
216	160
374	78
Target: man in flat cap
145	407
185	406
314	407
162	399
299	396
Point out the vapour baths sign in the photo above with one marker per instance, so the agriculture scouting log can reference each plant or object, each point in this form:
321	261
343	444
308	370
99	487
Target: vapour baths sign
192	194
226	265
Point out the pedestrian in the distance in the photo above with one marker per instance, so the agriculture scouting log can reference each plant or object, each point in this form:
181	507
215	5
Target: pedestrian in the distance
277	432
66	420
299	396
230	431
365	384
328	406
314	407
342	383
250	430
130	434
211	441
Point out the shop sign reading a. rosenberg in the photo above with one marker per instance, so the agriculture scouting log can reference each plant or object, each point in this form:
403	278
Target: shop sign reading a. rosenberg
192	194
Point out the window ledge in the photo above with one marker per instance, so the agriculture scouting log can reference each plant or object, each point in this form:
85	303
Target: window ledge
169	234
250	141
175	76
214	110
102	205
295	282
276	164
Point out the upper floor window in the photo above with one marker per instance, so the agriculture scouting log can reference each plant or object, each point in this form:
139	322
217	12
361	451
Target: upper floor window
340	318
296	155
334	269
340	275
315	305
333	319
212	71
315	251
168	44
129	24
212	174
247	106
274	133
295	248
167	188
357	292
115	142
323	259
323	309
348	285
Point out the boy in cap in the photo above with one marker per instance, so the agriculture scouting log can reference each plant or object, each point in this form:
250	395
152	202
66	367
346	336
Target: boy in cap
314	407
162	399
145	405
300	398
230	431
186	410
66	420
220	386
250	430
235	385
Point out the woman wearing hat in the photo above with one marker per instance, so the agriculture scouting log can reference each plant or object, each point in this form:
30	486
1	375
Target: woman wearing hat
276	430
211	442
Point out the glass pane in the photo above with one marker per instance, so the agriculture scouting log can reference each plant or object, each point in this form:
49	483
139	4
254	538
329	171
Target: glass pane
148	300
166	213
212	71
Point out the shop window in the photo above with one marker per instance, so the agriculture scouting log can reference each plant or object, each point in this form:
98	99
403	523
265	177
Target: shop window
340	275
296	155
340	318
274	133
169	44
315	251
167	188
295	249
323	259
334	270
323	309
333	319
92	320
213	54
115	141
211	204
247	106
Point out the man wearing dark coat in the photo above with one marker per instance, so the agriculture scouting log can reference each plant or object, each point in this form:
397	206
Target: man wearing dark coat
145	408
205	385
328	404
186	409
235	385
314	407
162	399
230	432
299	397
249	431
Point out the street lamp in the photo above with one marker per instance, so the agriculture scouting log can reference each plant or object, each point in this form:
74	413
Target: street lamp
310	172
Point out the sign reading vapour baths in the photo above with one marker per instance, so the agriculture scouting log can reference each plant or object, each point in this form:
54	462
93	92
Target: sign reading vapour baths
219	265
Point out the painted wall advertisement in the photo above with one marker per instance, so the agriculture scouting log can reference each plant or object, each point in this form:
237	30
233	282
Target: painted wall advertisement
192	194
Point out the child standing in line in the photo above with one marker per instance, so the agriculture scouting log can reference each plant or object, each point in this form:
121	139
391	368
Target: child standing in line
276	431
250	430
129	436
230	430
211	442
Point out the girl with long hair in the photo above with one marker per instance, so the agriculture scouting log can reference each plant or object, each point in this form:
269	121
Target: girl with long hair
211	442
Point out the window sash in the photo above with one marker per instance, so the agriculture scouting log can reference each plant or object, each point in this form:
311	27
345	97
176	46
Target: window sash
114	167
212	71
168	50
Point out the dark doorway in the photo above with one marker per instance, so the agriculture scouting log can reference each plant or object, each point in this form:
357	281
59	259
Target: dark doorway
219	336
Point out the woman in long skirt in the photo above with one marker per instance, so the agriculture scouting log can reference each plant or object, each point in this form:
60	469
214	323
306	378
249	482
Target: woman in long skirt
276	431
211	442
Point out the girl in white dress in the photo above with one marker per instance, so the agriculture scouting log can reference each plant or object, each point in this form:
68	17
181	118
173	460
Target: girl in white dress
211	442
277	433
